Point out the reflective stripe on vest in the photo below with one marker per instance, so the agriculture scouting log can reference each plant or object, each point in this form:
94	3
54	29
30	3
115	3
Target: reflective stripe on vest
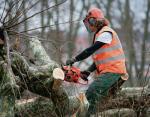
115	47
118	57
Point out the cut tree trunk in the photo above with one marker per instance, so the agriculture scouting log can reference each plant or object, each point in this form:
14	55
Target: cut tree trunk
38	78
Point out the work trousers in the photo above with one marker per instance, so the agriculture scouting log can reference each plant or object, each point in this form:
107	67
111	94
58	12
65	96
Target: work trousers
102	87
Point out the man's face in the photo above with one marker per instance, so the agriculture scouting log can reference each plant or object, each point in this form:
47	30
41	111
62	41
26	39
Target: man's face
93	28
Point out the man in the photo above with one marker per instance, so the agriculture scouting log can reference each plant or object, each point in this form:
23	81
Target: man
108	57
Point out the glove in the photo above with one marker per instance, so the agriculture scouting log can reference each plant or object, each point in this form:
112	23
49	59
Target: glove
70	61
84	75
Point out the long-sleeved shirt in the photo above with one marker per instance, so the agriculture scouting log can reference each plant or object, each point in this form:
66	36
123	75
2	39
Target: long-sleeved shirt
105	38
89	51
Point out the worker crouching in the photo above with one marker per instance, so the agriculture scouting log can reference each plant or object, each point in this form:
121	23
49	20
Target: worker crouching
108	57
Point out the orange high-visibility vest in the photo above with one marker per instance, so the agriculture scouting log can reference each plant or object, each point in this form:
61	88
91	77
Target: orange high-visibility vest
110	57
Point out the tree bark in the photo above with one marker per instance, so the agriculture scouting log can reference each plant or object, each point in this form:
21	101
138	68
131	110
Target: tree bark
145	38
45	107
38	78
128	27
7	92
8	87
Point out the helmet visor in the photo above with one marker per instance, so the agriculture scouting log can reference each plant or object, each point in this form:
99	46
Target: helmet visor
87	25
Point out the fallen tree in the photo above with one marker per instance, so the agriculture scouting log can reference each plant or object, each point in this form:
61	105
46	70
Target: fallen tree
36	78
39	79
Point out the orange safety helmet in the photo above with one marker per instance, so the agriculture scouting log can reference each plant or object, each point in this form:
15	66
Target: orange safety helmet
95	19
95	13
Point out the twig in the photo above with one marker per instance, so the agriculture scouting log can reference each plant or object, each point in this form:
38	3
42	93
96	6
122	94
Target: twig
35	14
49	26
40	39
9	10
21	5
3	12
21	13
18	33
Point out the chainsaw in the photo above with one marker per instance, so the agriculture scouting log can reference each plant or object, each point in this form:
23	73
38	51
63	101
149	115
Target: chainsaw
69	74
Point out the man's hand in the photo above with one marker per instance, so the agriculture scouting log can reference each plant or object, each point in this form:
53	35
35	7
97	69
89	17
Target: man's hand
84	75
70	61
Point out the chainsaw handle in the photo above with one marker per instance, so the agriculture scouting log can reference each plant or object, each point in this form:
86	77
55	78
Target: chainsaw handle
71	61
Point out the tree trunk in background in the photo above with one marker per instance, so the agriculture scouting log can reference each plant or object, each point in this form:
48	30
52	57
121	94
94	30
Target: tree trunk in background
145	38
49	15
25	16
128	28
74	27
71	40
77	25
108	10
107	7
58	38
42	18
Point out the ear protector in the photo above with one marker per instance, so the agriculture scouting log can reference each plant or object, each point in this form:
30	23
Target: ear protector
92	21
96	22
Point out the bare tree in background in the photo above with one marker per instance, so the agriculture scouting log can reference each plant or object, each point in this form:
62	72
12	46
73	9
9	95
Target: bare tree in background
145	40
43	4
108	8
71	41
128	30
25	15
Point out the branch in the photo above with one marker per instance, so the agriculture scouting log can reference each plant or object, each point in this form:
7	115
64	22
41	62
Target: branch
9	10
50	25
21	13
35	14
3	12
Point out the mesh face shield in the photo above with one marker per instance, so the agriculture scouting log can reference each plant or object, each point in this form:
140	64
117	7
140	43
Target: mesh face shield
87	25
89	22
